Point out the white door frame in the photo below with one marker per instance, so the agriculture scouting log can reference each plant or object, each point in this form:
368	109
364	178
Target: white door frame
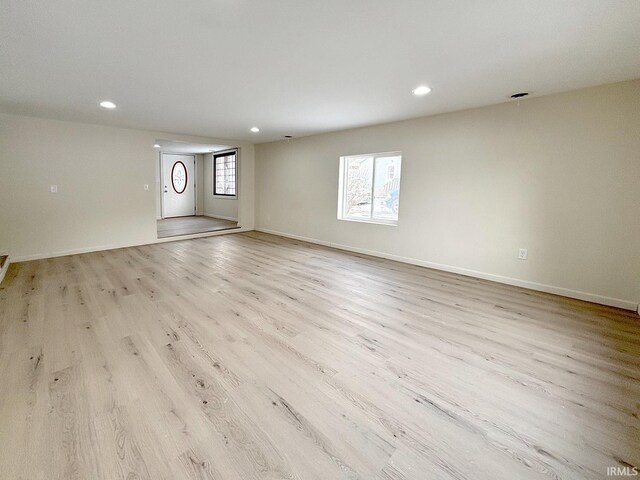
195	180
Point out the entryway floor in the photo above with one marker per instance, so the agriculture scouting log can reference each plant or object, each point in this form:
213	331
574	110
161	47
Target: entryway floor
172	227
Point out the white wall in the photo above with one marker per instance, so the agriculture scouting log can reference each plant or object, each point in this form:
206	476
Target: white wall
100	172
558	175
200	194
215	206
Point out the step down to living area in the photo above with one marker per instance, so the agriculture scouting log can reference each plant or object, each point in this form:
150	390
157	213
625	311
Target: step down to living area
3	264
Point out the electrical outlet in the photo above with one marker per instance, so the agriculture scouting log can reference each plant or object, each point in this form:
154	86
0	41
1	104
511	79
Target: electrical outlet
522	253
53	188
146	186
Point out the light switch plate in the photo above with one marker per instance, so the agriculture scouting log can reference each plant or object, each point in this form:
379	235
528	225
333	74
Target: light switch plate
53	188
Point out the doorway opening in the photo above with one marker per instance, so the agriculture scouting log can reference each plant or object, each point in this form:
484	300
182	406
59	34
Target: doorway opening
198	189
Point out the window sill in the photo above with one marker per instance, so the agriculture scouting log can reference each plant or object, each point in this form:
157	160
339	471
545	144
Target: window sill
226	197
388	223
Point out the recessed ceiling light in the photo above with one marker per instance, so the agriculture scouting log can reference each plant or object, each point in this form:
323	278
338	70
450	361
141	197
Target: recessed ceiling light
421	90
254	129
156	146
108	104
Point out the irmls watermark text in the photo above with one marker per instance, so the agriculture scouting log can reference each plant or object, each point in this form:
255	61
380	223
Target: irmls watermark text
622	472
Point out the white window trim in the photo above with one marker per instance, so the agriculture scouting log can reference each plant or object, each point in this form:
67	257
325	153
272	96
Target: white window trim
342	192
213	168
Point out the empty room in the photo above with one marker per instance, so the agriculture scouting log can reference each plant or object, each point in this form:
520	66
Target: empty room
325	240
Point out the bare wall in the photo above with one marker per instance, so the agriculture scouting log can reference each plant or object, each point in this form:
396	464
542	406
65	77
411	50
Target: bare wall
100	172
557	175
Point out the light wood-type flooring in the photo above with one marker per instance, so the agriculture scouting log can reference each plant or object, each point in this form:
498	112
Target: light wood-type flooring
173	227
250	356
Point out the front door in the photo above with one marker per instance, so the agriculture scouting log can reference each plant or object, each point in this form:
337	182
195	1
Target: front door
178	182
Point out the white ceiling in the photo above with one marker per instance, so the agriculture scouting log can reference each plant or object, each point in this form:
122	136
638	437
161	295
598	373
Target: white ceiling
299	67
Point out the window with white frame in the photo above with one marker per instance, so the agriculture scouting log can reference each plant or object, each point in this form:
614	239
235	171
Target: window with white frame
369	188
225	174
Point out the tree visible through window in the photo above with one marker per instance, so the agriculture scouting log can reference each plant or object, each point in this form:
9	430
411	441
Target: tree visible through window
370	188
224	174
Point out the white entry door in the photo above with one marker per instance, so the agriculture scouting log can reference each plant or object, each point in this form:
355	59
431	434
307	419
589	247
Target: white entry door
178	185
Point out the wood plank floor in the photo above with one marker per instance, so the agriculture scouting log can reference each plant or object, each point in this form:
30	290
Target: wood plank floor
173	227
251	356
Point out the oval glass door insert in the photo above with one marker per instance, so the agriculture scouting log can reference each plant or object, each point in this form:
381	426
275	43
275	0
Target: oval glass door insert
179	177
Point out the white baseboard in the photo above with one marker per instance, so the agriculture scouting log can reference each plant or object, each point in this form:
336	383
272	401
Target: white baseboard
221	217
41	256
564	292
5	267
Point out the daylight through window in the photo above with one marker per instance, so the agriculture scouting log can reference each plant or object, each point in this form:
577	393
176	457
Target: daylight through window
370	188
224	174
